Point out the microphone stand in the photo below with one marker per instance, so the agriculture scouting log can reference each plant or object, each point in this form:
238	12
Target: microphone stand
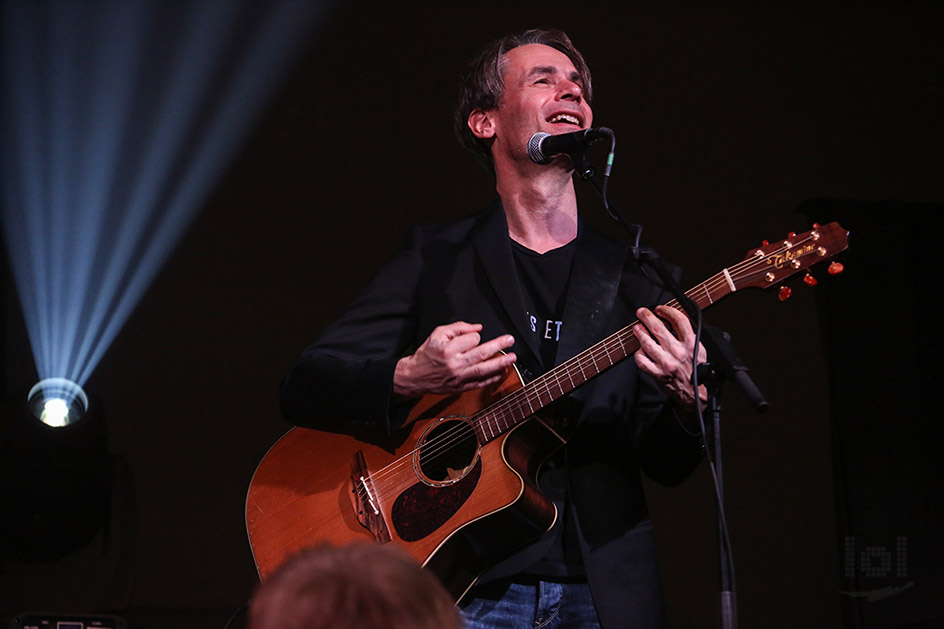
723	364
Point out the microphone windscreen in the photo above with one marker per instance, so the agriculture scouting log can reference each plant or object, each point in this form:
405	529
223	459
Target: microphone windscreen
534	148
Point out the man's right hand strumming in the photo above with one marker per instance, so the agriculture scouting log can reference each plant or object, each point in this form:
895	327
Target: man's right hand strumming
452	360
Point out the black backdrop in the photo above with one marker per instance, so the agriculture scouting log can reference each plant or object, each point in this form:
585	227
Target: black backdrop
728	117
882	350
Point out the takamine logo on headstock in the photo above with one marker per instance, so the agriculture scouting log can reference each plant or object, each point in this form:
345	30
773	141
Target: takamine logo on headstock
777	261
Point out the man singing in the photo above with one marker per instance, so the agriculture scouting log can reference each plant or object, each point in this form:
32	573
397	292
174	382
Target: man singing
526	285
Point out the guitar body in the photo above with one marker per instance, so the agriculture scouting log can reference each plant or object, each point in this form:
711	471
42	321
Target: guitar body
455	502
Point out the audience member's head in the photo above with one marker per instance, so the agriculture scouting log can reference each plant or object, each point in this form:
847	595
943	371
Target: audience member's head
362	585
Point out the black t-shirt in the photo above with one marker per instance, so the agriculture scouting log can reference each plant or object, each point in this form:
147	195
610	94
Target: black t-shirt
544	280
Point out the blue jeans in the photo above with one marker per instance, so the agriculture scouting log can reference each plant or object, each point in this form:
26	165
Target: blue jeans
542	605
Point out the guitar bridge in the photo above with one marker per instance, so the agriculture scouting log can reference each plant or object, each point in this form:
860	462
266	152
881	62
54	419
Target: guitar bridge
365	501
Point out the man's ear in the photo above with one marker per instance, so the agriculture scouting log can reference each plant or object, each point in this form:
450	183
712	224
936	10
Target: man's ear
481	124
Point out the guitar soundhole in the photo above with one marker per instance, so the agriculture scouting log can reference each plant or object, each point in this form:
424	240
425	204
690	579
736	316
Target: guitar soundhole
447	452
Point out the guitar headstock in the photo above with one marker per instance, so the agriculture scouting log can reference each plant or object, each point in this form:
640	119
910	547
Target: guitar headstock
779	260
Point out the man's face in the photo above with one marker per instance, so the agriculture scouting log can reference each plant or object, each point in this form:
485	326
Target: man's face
543	92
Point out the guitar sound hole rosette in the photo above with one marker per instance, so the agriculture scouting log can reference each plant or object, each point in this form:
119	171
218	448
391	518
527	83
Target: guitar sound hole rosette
446	451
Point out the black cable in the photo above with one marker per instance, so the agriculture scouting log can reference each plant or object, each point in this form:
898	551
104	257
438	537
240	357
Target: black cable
726	552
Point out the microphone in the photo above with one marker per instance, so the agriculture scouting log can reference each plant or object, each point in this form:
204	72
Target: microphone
543	147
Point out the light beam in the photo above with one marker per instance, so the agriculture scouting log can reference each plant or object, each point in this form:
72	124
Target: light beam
118	118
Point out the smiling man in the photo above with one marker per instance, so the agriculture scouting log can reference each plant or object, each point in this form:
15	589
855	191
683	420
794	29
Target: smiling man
526	285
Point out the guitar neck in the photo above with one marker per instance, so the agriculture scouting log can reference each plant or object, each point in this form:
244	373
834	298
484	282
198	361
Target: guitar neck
511	410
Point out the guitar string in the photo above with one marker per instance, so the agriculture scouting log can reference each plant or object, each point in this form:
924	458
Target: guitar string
513	405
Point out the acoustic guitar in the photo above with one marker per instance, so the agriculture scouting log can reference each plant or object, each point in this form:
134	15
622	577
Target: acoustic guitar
457	489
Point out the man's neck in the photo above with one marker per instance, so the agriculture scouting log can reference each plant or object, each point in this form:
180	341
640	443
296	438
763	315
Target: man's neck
541	211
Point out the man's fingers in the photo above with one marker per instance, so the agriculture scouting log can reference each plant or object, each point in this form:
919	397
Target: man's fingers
650	345
468	349
486	360
678	341
649	350
667	356
489	348
463	343
679	322
489	371
683	330
656	326
448	332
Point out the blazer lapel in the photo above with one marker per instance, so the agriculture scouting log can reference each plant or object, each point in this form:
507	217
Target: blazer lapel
594	282
491	242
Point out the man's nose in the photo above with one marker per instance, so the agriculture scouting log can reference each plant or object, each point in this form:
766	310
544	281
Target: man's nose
570	90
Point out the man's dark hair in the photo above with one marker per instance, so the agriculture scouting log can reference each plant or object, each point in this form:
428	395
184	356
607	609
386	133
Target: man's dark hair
484	84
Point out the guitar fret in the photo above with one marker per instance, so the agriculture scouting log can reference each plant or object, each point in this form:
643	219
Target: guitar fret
478	427
546	398
708	294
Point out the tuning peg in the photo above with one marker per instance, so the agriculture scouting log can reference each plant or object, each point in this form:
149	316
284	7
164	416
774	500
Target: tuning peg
765	243
836	268
792	235
810	280
785	292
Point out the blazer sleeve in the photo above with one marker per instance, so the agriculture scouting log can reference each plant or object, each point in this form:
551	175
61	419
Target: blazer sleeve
344	380
668	443
668	446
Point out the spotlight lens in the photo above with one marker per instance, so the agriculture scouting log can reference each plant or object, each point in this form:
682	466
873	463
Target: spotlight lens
55	412
57	402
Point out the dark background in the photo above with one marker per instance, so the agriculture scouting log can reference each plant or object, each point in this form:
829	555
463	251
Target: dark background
729	117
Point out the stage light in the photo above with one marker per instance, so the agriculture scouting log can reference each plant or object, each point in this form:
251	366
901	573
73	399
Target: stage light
57	402
55	480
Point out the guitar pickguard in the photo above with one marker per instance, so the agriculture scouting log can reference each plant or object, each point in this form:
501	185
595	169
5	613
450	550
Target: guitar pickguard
422	509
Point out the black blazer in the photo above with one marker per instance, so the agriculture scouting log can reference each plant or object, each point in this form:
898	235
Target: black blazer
465	271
